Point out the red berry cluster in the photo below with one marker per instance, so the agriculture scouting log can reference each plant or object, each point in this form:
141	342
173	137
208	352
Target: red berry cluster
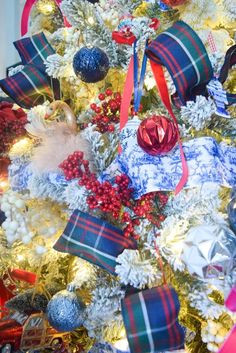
107	112
113	199
75	166
12	122
150	206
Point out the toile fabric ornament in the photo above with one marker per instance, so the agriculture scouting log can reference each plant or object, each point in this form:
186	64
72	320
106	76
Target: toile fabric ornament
151	320
65	310
207	161
94	240
32	86
209	251
91	64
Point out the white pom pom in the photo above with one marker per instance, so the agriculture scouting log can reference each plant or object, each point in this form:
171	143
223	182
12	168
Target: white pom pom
13	225
211	338
19	203
219	339
12	199
5	207
8	214
5	224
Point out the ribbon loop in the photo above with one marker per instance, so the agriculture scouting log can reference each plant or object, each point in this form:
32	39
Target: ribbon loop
26	14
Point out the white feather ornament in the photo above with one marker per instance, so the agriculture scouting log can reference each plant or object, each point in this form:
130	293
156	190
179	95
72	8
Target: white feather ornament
58	140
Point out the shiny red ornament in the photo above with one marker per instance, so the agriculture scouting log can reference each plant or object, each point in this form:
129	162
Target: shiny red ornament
157	135
173	3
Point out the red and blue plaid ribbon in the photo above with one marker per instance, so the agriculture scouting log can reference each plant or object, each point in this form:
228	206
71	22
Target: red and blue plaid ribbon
32	86
94	240
151	320
182	52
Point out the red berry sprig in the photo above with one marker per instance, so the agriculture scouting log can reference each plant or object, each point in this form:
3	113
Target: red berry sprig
113	199
107	112
75	166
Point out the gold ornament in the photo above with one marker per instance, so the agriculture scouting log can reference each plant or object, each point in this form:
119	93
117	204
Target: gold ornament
69	115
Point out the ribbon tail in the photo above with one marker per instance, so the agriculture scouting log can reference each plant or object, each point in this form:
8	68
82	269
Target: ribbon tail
25	16
22	275
126	97
164	94
66	23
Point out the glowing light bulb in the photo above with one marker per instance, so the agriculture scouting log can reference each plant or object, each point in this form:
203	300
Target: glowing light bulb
20	257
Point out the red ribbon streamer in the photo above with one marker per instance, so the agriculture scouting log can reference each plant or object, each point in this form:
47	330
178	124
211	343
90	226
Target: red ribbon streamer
22	275
126	97
26	13
164	94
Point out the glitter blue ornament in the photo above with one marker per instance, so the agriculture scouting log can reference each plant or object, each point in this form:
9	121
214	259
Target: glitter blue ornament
232	211
65	311
91	64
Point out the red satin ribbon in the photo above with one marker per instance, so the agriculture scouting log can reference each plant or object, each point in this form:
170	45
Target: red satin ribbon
164	94
22	275
126	97
26	13
230	342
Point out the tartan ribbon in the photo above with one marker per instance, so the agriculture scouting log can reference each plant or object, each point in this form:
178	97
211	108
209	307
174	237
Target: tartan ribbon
32	86
151	320
26	13
94	240
184	55
182	52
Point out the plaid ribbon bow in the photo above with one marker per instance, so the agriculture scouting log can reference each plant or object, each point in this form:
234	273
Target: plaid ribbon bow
32	86
184	55
151	320
94	240
182	52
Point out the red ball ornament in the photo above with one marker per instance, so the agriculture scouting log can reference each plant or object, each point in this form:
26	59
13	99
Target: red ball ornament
173	3
157	135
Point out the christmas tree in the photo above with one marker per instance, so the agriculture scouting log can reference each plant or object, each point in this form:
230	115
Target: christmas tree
118	176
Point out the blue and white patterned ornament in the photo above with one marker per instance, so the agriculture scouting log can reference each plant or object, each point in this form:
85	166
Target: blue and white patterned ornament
207	161
19	175
216	90
65	311
91	64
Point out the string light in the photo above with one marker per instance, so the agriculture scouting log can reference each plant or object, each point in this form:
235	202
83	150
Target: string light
46	7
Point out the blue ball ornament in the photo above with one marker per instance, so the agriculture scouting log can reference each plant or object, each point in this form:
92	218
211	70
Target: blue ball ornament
91	64
65	311
232	212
